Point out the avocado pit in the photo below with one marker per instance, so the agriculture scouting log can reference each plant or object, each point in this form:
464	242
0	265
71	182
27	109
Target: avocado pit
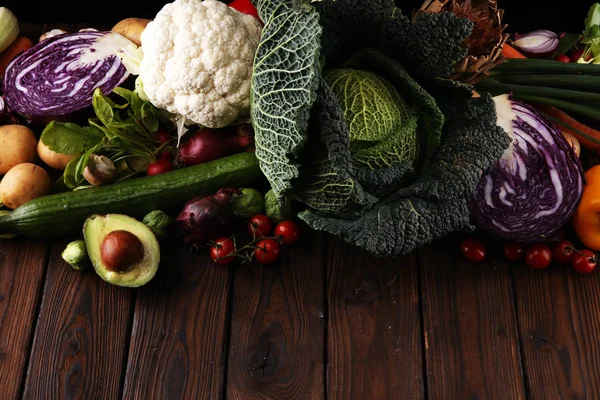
120	249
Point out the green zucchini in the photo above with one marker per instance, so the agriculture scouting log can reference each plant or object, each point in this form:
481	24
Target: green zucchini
63	214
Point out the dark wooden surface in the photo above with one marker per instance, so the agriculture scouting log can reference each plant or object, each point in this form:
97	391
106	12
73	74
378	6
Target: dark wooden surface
326	322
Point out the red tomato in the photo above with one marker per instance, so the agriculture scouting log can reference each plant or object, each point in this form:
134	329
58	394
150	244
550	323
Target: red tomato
538	256
513	251
584	261
288	231
260	225
162	135
267	251
221	250
160	166
245	7
473	249
563	58
563	252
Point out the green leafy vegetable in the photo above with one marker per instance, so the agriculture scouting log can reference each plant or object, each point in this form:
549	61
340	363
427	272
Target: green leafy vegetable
393	148
69	138
285	78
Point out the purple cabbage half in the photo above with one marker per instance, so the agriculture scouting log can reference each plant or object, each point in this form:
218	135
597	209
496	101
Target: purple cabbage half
58	75
533	189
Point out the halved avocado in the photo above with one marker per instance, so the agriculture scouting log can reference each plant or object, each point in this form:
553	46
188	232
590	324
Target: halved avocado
147	256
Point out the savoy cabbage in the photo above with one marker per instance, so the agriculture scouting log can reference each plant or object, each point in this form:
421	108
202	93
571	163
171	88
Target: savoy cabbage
362	186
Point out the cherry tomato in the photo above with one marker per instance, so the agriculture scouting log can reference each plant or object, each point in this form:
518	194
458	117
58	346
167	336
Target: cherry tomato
538	256
221	250
563	58
288	231
162	135
563	252
160	166
584	261
513	251
245	7
260	225
267	251
576	55
473	249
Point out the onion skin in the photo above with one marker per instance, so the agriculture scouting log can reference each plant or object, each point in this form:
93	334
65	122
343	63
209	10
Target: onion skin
209	144
206	218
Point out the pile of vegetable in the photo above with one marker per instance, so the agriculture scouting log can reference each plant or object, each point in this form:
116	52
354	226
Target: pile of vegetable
229	127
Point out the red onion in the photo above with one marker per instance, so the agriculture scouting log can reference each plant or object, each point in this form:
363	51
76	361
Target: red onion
208	144
540	43
207	218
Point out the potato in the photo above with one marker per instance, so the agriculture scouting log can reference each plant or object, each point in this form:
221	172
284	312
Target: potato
53	159
132	28
22	183
18	145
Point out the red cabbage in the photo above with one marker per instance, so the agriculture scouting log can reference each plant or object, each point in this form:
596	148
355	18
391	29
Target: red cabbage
536	185
58	75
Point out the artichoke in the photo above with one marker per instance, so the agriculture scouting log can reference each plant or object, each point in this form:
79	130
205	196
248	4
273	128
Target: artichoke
485	41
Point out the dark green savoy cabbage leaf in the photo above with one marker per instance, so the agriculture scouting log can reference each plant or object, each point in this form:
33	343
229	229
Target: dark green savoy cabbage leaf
388	208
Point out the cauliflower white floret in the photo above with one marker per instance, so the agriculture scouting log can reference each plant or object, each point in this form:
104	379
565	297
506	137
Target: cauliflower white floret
197	62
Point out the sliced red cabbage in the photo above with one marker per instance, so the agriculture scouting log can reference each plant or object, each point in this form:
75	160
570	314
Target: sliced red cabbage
59	75
536	185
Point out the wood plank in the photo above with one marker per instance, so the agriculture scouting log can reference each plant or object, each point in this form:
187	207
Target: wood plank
559	324
22	264
471	342
277	329
81	337
374	347
179	331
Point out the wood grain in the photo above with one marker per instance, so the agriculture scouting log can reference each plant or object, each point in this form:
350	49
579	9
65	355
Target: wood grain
374	348
559	323
22	264
81	336
179	331
277	328
471	341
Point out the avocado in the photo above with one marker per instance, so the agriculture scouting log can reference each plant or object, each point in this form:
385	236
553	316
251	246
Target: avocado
123	250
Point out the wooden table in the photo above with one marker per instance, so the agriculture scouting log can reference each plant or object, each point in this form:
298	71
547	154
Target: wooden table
328	321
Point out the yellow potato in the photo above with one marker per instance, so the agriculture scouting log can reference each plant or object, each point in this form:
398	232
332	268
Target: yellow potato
18	145
53	159
22	183
132	28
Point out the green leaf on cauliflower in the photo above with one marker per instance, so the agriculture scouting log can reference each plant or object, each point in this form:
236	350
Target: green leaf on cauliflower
284	82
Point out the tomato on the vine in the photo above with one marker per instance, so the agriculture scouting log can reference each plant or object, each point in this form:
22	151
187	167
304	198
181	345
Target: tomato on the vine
563	252
160	166
221	251
267	251
538	256
513	251
584	261
260	225
473	249
288	231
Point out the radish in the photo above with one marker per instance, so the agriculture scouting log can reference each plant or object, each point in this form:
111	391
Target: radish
209	144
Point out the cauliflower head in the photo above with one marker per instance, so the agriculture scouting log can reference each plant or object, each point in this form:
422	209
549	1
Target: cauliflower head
198	59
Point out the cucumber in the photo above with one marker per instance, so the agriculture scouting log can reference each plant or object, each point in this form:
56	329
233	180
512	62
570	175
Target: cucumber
63	214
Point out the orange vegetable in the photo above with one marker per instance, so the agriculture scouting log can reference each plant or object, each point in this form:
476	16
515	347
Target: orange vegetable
586	218
510	52
20	44
588	138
